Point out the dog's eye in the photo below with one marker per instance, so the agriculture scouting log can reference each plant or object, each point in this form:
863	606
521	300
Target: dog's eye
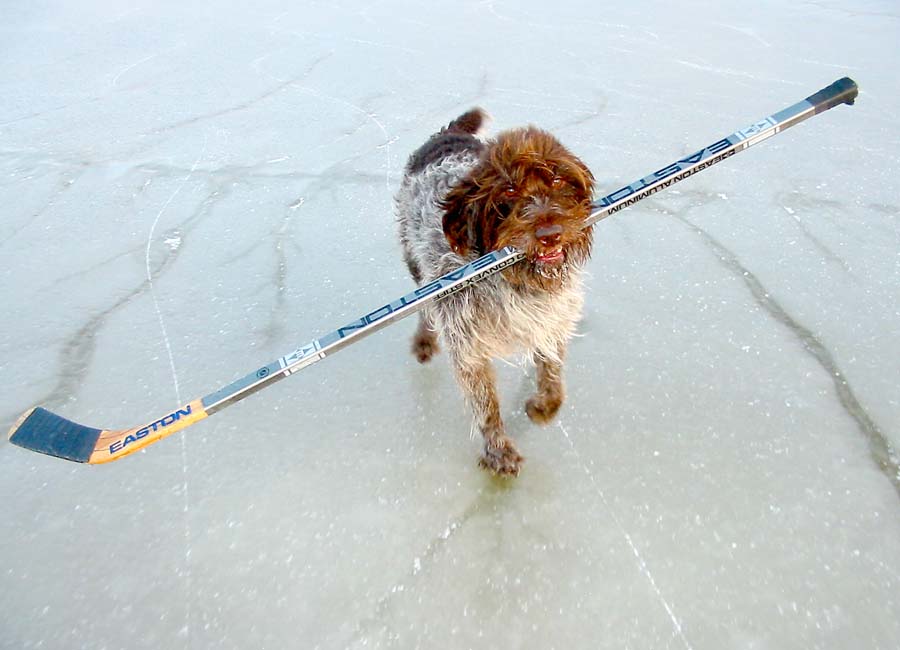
510	192
558	182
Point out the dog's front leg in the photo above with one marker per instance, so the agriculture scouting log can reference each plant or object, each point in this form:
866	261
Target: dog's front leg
544	404
476	377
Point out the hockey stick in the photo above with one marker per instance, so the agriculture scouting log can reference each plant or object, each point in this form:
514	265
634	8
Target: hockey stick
43	431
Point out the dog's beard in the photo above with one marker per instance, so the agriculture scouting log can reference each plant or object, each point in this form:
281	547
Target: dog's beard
534	274
558	271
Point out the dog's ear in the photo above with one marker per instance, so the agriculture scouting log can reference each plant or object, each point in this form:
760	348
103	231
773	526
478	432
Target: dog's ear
459	210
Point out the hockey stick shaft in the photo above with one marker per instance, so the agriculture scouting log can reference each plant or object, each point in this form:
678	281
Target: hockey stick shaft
43	431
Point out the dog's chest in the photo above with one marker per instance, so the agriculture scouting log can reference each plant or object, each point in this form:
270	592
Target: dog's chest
537	320
496	320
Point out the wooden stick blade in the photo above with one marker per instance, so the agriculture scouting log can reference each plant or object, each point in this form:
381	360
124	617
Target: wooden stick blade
46	432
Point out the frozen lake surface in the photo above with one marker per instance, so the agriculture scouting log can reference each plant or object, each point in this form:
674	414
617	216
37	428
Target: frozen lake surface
191	190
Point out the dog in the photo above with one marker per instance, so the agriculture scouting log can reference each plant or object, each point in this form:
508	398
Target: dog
462	196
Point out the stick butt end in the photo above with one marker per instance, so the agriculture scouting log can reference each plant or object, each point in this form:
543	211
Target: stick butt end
842	91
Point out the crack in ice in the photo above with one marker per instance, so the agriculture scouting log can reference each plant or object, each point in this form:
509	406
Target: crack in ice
880	448
642	564
186	630
419	561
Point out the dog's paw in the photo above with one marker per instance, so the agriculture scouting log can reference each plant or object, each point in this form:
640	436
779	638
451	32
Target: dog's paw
425	347
542	408
501	457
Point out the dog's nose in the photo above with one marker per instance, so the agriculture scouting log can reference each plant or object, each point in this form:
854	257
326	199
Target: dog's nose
549	235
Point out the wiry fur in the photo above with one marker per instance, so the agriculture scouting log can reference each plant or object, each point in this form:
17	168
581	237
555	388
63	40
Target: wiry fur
462	197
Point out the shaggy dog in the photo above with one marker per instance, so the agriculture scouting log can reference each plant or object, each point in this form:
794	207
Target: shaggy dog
463	196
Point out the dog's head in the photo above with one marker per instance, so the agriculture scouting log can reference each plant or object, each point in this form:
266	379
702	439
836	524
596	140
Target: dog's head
530	192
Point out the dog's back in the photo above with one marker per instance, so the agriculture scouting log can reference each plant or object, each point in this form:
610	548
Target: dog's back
439	164
460	136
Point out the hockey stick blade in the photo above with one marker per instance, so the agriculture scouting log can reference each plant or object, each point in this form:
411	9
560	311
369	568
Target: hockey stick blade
45	432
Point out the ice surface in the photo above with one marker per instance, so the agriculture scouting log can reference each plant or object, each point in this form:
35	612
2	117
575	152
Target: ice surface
191	190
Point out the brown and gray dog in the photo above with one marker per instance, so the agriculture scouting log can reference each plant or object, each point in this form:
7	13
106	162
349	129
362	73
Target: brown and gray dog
463	196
